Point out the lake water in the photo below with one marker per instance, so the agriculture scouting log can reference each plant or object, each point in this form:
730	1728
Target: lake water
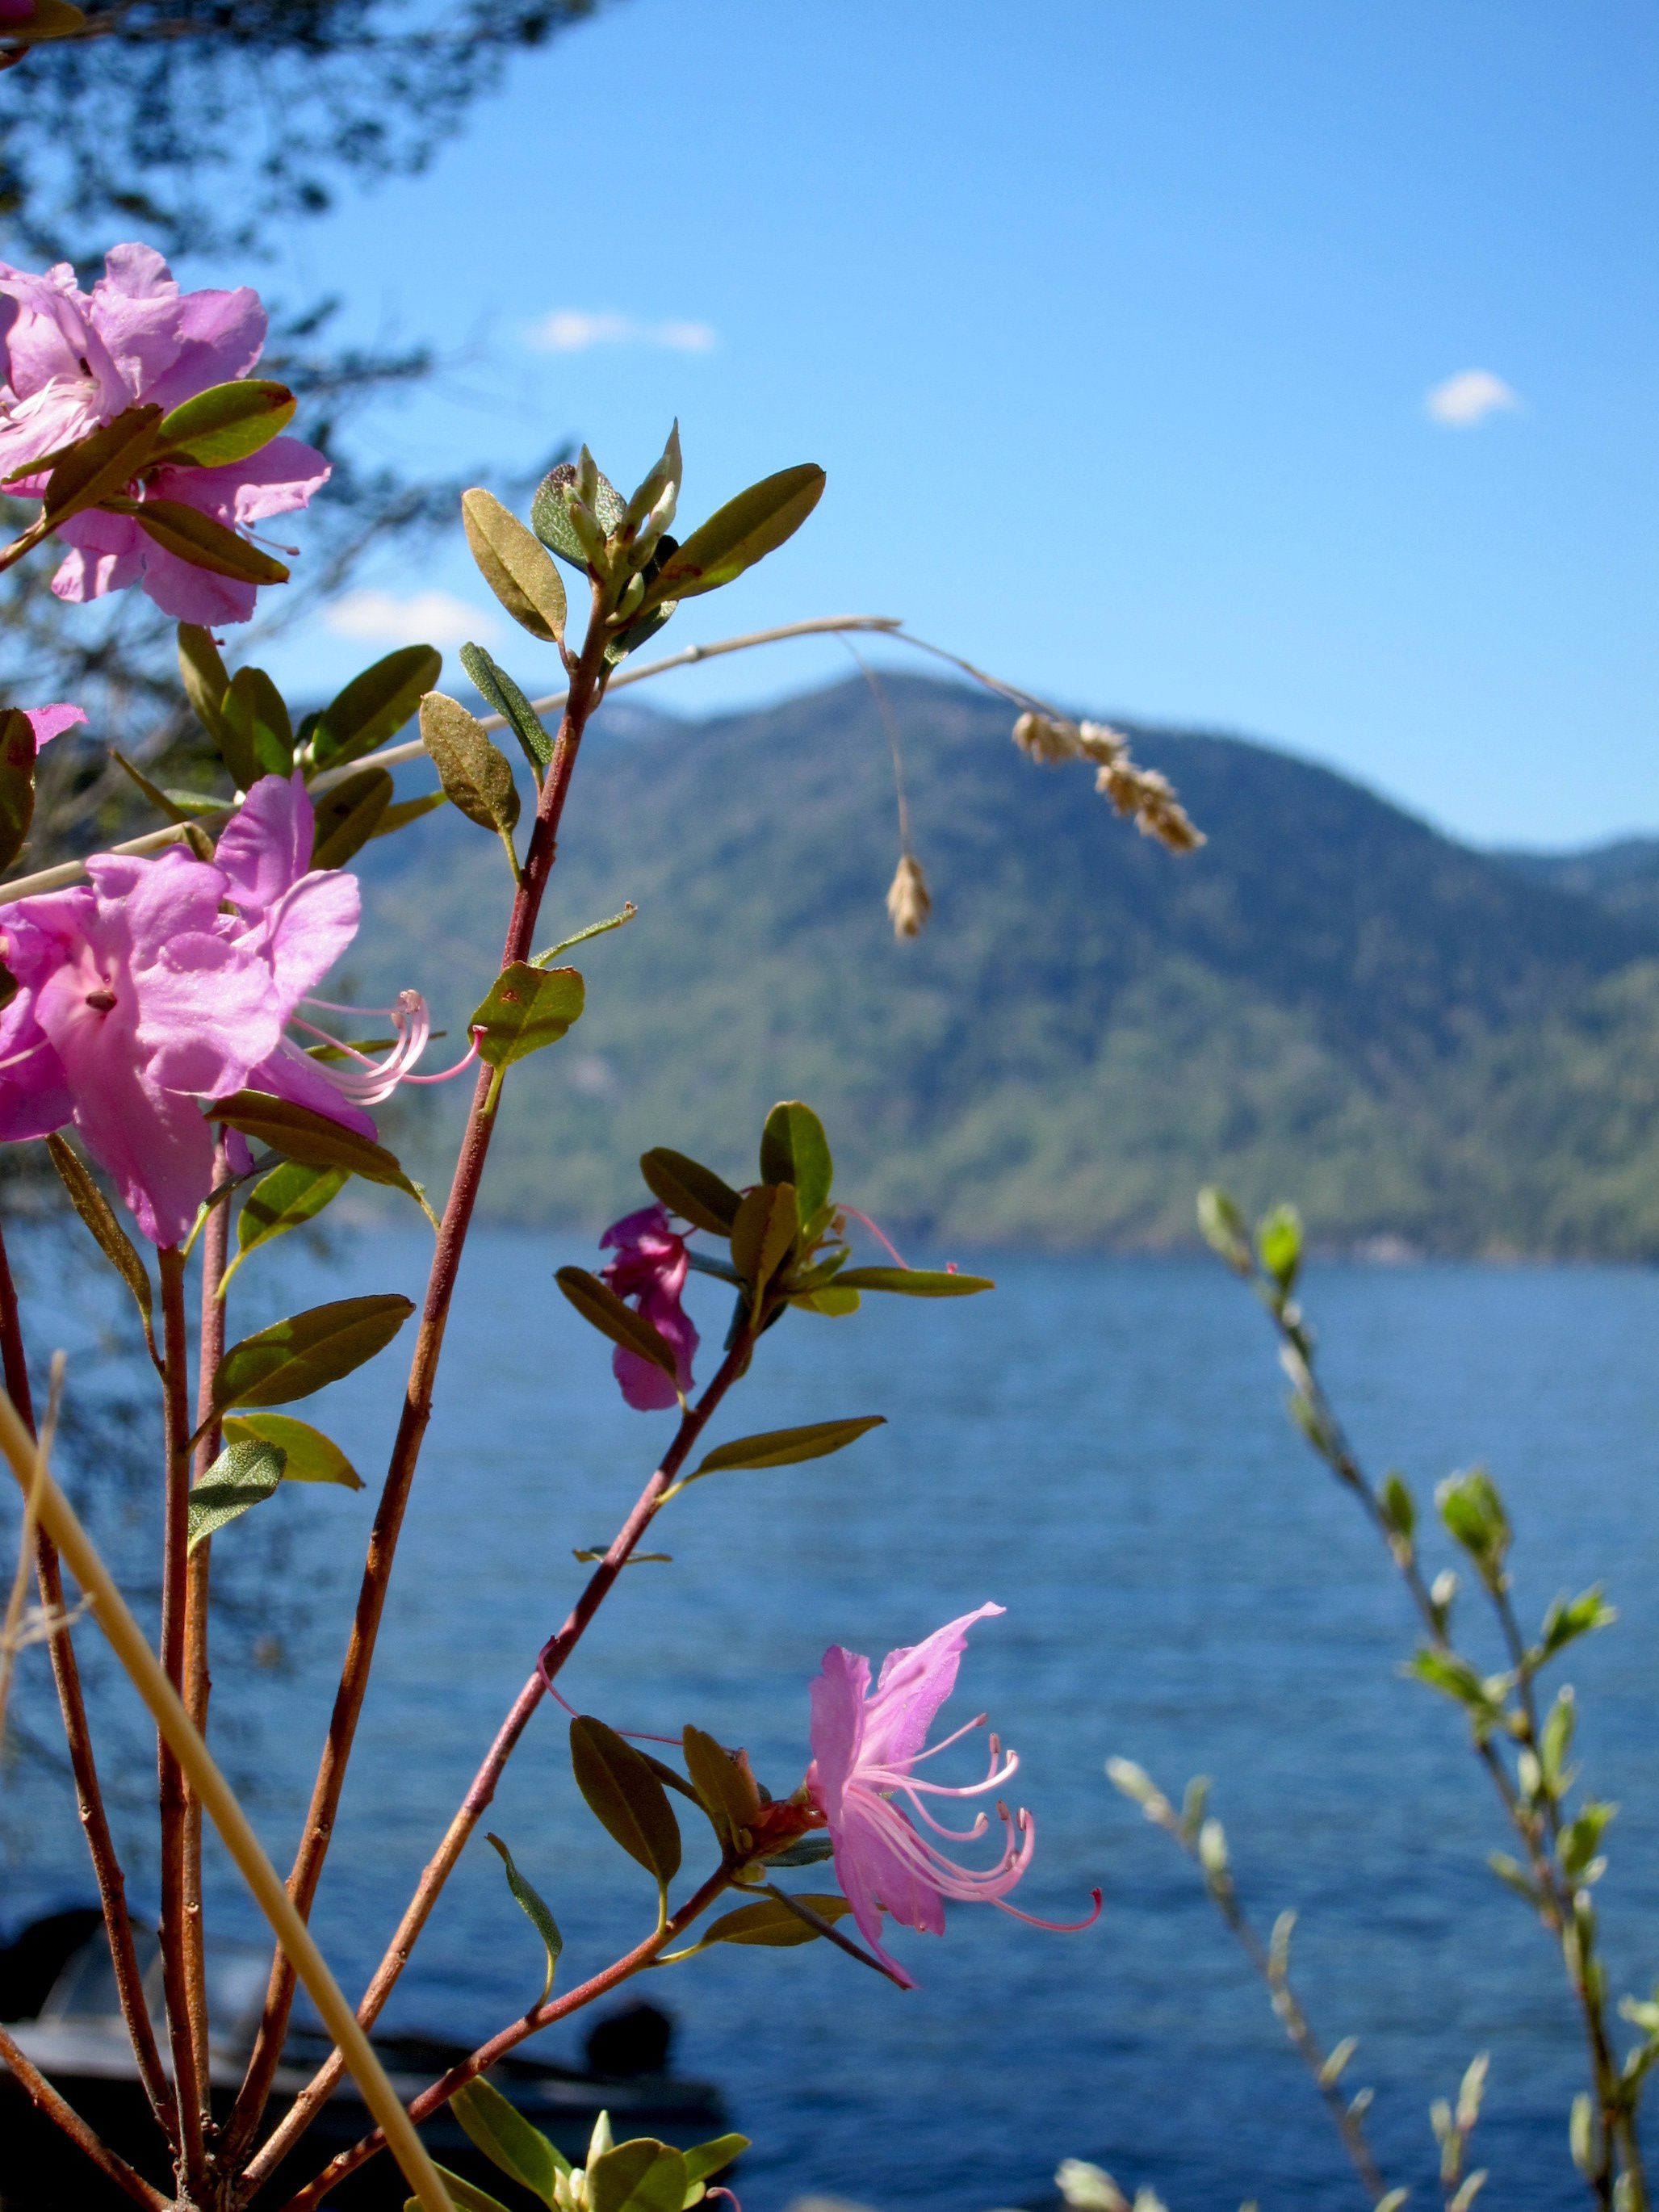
1099	1447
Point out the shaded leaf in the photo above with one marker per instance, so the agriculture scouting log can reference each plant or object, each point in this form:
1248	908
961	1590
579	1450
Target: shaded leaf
913	1282
534	1908
768	1921
349	815
196	538
288	1197
477	775
168	808
311	1455
206	680
515	566
505	696
112	1240
105	461
302	1353
764	1233
747	528
687	1187
17	751
403	811
640	2176
787	1447
625	1797
794	1150
725	1783
245	1473
526	1009
260	732
225	423
374	705
598	1305
299	1135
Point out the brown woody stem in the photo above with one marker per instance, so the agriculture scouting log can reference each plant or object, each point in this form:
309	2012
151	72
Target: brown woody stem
188	2057
46	2100
587	685
473	1805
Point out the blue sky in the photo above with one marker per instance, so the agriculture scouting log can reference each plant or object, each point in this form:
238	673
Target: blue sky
1115	326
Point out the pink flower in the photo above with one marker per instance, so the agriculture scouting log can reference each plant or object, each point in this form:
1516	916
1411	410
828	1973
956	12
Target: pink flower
73	360
650	1267
864	1750
166	984
49	722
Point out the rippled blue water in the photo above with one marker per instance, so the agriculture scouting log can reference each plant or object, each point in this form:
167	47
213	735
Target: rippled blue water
1100	1448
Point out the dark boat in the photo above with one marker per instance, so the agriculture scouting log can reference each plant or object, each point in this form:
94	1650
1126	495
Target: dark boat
57	2000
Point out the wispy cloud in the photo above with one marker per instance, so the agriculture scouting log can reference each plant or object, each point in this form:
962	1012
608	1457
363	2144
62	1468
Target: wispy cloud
575	330
1464	401
430	617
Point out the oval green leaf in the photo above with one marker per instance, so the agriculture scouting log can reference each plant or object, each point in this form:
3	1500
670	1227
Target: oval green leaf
349	815
687	1187
227	422
260	732
705	2158
913	1282
505	696
502	2132
102	463
787	1447
744	530
515	565
374	705
288	1197
206	680
526	1009
311	1455
640	2176
725	1783
600	1306
764	1233
625	1797
775	1925
245	1473
306	1351
477	775
312	1138
205	543
795	1149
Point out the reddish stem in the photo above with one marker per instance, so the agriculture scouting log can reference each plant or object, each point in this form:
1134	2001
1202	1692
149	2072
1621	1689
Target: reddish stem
46	2100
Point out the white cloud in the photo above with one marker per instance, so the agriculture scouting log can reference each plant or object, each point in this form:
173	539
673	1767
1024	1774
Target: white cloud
1464	401
574	329
430	617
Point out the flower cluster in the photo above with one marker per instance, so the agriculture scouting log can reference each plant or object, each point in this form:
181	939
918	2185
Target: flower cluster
72	360
1140	791
161	984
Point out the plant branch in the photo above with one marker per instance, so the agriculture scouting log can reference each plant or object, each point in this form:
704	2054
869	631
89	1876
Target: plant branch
46	2100
77	1735
481	1789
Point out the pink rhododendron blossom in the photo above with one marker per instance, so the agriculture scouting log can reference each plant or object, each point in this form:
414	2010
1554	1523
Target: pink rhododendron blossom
49	722
650	1267
865	1749
74	360
163	985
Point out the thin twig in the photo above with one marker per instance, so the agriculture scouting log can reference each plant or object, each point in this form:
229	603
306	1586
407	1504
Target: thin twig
46	2099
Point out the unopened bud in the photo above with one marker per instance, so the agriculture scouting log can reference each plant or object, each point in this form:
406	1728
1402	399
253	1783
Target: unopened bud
907	901
585	525
587	479
1045	738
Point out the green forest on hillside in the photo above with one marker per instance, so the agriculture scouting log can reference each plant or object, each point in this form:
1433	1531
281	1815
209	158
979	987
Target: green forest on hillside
1329	1002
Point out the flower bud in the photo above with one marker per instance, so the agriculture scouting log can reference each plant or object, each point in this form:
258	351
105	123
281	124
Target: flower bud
1045	738
908	901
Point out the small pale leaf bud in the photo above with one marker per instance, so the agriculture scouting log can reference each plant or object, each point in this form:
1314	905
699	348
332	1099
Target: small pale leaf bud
1088	2188
907	901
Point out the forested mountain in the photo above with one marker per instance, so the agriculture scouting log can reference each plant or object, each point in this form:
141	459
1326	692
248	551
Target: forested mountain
1329	1002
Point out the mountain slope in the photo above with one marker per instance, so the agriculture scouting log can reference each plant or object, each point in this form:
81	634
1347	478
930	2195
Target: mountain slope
1329	1000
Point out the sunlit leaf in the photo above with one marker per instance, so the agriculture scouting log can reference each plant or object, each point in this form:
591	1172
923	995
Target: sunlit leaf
245	1473
306	1351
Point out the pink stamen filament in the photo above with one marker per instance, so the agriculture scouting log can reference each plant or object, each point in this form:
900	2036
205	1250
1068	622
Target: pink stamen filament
412	1024
880	1236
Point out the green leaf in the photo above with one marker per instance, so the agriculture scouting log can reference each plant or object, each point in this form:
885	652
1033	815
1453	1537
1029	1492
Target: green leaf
311	1456
724	1785
687	1187
913	1282
787	1447
763	1234
108	1235
1475	1517
168	808
1399	1507
625	1797
374	705
550	518
257	721
502	2132
534	1908
593	929
1454	1678
17	750
227	422
403	811
300	1354
104	462
794	1150
526	1009
641	2176
465	2196
1569	1618
194	537
747	528
767	1921
312	1138
206	680
288	1197
244	1474
515	566
477	775
505	696
600	1306
1279	1245
350	814
705	2158
1223	1227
